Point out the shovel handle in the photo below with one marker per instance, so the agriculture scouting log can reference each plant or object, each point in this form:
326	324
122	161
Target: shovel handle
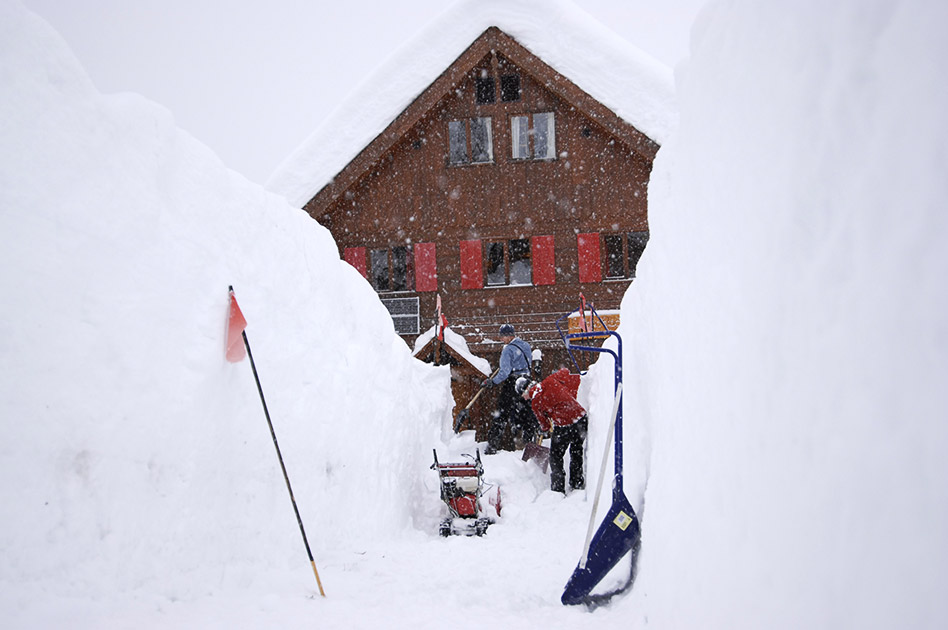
602	472
478	394
462	415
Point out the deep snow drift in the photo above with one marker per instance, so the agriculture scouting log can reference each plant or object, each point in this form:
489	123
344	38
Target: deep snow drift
785	363
791	324
134	457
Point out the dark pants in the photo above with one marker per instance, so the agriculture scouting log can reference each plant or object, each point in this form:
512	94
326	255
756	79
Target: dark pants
571	437
512	416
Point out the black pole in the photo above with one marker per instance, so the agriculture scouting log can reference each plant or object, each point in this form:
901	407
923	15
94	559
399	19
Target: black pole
286	477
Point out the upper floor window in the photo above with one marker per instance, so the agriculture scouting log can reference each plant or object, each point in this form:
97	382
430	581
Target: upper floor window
475	133
537	141
510	87
485	89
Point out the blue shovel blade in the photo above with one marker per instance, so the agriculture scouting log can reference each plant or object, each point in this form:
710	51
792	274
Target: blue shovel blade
616	536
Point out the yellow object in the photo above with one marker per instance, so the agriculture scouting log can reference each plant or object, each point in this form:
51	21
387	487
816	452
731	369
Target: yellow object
622	520
318	581
611	320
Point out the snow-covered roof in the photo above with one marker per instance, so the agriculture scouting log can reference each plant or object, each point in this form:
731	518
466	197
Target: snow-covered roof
635	86
457	343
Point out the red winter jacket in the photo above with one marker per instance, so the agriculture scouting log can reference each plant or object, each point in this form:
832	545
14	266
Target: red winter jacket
554	400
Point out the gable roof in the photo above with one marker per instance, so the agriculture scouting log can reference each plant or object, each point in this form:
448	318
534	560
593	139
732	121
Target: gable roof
578	58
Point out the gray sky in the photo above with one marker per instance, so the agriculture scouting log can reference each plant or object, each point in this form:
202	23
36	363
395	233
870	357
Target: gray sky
252	79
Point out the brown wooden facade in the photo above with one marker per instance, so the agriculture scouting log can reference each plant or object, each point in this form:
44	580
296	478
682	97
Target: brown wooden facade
507	229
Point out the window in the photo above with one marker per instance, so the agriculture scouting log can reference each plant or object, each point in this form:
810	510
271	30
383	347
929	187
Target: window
542	135
400	268
615	261
496	267
509	262
637	243
481	141
482	146
405	314
520	261
621	255
457	138
484	89
510	87
520	137
379	263
391	269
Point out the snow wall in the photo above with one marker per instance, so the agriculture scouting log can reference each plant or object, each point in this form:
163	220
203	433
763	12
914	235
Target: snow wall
788	331
132	451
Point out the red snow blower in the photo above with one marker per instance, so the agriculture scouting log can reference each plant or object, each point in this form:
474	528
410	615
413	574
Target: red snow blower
462	486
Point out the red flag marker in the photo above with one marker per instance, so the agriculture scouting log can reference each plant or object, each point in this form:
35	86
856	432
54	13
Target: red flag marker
442	322
238	346
235	328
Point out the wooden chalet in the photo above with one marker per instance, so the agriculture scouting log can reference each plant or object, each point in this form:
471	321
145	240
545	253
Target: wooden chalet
505	188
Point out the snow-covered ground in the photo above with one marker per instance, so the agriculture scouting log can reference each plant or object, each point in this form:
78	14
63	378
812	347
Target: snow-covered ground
786	359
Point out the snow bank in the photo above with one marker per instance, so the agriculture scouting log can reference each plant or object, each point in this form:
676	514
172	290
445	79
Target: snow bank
785	364
134	457
789	325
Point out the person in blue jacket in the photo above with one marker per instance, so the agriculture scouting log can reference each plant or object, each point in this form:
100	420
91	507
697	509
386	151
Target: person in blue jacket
512	411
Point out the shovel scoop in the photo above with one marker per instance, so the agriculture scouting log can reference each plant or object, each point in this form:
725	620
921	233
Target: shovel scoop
538	453
618	535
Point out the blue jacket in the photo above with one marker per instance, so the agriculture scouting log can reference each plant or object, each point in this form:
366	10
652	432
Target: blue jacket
514	359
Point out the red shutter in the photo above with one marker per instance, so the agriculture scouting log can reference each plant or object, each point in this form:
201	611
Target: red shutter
590	263
426	267
472	265
544	267
355	256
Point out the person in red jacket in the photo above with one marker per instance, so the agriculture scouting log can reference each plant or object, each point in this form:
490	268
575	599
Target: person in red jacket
555	407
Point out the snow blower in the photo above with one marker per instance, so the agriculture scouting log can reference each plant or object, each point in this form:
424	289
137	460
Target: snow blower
462	485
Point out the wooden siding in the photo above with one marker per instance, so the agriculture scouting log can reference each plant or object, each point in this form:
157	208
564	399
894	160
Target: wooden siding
402	190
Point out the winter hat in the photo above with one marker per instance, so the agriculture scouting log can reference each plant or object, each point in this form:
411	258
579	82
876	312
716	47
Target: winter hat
506	329
522	385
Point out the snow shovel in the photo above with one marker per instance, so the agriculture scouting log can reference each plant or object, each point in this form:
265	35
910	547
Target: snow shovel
537	452
619	531
464	413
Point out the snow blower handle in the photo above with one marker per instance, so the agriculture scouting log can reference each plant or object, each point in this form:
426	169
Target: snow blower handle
463	415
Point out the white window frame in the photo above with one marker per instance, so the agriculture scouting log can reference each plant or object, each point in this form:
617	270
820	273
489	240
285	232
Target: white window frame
523	136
